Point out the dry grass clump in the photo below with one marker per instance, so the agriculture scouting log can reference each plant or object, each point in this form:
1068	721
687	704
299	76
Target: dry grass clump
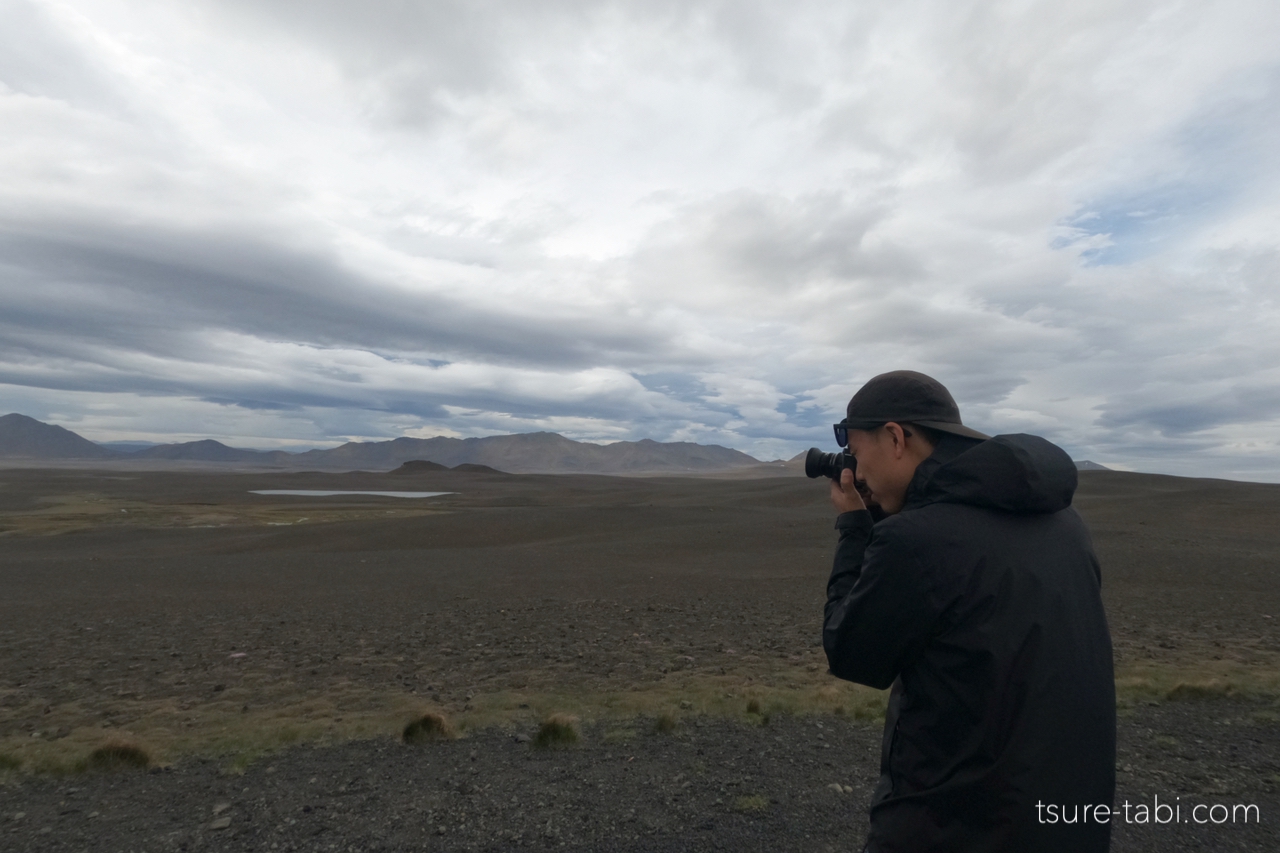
755	712
1191	691
753	803
665	724
9	762
117	755
557	731
428	728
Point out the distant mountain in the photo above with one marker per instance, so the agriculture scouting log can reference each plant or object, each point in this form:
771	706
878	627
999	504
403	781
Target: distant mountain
22	437
209	450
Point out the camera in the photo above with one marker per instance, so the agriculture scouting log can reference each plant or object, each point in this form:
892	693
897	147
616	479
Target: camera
819	464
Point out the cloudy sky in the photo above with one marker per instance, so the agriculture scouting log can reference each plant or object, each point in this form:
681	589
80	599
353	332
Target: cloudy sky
289	224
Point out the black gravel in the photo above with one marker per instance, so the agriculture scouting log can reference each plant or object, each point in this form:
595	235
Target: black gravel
797	783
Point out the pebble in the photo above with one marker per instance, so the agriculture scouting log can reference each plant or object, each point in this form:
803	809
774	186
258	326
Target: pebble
221	823
837	787
219	808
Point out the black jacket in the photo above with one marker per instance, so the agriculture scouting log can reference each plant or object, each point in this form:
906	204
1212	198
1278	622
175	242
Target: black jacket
980	604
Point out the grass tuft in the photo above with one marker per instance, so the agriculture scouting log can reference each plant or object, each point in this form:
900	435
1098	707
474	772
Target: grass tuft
753	707
622	734
665	724
753	803
117	755
428	728
9	762
557	731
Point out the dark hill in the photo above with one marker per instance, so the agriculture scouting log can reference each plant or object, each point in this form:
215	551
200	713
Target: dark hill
22	437
473	468
419	466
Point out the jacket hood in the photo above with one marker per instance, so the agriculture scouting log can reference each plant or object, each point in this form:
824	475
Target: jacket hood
1014	473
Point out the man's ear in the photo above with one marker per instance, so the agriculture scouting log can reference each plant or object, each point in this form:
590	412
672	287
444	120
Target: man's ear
899	440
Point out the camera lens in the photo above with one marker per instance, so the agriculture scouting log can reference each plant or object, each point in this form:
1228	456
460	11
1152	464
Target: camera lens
819	464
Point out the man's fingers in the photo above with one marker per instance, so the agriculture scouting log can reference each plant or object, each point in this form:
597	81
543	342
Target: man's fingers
844	494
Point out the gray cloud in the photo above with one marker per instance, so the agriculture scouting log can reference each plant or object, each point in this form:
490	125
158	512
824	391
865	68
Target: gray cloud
1172	412
148	287
748	241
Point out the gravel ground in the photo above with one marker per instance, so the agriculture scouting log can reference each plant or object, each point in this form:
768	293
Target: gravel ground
796	783
173	610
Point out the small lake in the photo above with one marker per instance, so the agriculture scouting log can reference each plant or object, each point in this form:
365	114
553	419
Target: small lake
318	493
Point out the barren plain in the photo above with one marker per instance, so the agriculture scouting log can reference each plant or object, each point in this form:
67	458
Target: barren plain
265	653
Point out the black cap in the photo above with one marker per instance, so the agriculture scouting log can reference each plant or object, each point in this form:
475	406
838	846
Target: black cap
904	396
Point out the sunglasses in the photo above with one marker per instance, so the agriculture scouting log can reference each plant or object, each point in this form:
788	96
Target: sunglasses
842	433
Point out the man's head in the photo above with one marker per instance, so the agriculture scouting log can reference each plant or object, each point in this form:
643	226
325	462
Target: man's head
887	459
893	424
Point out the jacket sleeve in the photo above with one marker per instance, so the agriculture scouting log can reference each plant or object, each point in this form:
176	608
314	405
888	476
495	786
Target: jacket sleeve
855	533
879	613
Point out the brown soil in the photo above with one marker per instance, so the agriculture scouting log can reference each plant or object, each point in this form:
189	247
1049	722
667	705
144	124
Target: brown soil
206	623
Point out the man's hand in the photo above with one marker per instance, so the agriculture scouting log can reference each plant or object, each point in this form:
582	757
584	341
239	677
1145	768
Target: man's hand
844	494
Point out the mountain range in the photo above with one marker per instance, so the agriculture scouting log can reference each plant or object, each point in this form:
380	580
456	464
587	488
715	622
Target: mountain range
22	437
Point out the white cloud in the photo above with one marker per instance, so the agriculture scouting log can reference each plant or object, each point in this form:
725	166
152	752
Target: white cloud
700	221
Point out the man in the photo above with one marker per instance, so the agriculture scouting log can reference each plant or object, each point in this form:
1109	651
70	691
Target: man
977	598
